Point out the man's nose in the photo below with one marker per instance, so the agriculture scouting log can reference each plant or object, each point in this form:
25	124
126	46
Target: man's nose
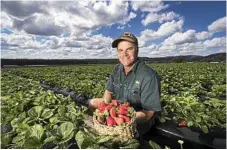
125	53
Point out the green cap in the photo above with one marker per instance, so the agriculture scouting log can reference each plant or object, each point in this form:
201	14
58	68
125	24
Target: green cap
127	36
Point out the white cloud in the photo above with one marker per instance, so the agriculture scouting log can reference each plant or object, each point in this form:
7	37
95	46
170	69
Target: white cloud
150	51
153	17
121	27
181	38
164	30
59	29
148	6
57	18
203	35
207	47
6	21
215	43
24	9
170	27
218	25
85	46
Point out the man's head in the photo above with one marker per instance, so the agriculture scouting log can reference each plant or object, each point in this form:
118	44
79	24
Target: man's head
127	48
125	37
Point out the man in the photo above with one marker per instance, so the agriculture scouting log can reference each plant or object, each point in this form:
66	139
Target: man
134	82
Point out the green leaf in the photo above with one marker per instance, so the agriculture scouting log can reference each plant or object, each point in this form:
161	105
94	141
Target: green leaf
47	113
95	146
87	142
53	120
35	112
198	119
37	131
130	144
103	139
80	136
204	129
22	128
189	123
154	145
65	129
6	139
49	139
15	122
19	139
32	142
66	139
162	119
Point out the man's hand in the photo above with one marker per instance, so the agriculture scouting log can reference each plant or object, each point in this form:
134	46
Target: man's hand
143	116
107	97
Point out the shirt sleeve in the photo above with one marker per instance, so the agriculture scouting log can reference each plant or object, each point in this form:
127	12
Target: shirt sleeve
150	93
109	86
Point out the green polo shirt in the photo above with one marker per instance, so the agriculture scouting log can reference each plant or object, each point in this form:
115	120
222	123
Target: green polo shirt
141	86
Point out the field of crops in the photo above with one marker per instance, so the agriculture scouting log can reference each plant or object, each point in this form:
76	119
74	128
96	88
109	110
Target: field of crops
34	117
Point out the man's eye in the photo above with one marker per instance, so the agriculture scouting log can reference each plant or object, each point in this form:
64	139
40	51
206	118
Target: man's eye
131	48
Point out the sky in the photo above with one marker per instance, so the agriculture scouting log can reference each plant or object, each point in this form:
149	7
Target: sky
85	29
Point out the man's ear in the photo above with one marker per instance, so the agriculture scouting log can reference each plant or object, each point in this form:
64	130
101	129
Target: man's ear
137	51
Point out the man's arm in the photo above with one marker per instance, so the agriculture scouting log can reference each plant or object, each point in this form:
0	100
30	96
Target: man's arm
107	97
143	116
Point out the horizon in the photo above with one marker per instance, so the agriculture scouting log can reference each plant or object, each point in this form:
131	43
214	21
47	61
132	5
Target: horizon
77	30
117	58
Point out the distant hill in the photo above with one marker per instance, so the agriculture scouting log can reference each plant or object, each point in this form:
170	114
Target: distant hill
218	57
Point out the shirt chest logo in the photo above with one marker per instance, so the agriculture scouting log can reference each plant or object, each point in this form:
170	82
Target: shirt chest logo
137	84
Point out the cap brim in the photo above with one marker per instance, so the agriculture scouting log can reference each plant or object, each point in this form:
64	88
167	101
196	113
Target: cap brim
115	42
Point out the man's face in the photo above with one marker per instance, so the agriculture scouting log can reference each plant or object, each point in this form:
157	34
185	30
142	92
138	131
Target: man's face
127	53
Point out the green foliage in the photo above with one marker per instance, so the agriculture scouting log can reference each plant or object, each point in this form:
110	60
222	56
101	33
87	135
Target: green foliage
192	92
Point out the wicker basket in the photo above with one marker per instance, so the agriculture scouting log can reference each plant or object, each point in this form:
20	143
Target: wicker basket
124	132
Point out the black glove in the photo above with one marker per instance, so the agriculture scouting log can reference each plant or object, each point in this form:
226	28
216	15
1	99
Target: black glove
80	99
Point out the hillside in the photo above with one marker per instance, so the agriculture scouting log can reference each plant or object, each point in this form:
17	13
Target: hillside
218	57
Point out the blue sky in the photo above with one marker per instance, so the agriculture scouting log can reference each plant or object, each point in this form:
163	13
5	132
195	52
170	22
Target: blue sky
85	29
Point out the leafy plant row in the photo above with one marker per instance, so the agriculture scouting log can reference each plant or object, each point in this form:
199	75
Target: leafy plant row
190	91
35	118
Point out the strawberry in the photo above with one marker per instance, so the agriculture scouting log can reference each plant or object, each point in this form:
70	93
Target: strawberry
122	110
126	118
110	121
108	107
119	120
113	112
114	102
182	124
102	106
126	105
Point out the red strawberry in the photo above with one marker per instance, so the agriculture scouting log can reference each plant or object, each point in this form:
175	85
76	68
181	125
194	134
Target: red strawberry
119	120
182	124
126	118
108	107
126	105
113	112
114	102
102	106
110	121
122	110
